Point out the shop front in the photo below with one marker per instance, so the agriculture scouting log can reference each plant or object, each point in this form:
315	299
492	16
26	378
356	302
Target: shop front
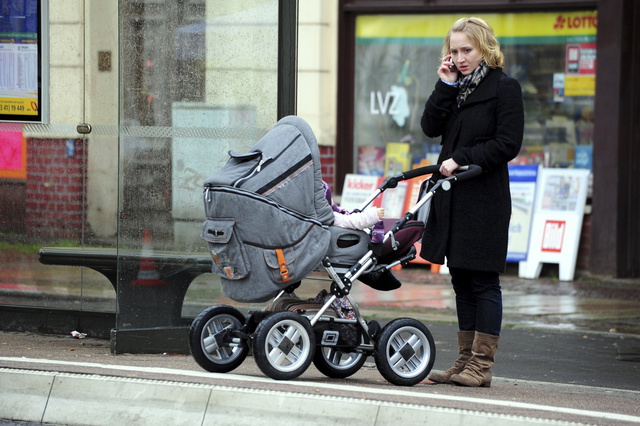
387	66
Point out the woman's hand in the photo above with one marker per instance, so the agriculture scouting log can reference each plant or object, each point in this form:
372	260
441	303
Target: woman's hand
448	167
445	72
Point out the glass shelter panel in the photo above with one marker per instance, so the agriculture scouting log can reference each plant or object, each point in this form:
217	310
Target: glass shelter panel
198	78
60	189
552	55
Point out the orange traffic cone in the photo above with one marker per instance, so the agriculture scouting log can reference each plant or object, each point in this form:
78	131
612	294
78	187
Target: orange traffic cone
147	274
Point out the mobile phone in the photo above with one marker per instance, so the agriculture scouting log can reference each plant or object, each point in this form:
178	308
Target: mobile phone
453	68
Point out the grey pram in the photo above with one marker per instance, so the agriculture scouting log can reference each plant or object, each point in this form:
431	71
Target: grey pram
268	226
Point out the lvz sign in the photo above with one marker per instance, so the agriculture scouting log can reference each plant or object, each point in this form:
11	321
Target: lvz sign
384	103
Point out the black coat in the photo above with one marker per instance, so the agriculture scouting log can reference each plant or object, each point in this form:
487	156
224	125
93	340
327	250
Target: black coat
470	223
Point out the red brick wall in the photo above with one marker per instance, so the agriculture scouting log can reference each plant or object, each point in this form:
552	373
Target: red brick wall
327	160
12	196
55	205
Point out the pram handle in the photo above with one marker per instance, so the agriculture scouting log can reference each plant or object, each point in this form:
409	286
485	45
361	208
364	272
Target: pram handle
466	172
392	181
462	173
420	171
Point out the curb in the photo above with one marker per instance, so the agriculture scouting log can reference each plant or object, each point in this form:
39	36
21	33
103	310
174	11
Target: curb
70	398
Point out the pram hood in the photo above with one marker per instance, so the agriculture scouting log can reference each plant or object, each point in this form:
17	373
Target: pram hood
283	166
268	220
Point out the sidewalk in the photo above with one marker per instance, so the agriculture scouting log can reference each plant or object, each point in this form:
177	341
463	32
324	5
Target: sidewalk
587	304
569	352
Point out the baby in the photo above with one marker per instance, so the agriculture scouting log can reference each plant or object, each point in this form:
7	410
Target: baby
370	217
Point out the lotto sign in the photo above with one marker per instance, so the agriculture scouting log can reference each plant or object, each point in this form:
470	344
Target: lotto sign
553	236
557	221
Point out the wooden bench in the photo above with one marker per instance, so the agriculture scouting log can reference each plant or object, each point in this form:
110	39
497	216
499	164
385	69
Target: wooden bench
150	287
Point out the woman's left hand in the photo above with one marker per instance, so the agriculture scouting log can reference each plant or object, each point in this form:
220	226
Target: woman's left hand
448	167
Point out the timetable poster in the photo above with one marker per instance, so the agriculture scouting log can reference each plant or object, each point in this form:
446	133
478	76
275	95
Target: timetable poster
20	61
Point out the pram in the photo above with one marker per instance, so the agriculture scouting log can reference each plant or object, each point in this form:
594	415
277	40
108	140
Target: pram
268	226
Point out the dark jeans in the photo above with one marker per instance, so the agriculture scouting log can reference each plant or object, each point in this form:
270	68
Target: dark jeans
478	300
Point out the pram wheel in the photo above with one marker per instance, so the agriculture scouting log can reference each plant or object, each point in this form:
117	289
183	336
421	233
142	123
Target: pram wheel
336	363
404	352
284	345
211	339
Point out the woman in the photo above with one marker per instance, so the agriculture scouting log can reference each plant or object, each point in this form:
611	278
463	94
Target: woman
478	111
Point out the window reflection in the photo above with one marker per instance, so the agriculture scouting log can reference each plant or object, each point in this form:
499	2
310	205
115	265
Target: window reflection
188	80
552	55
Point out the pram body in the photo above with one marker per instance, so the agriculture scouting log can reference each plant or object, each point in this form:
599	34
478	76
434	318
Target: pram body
268	226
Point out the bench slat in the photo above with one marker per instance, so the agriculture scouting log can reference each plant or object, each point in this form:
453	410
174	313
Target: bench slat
109	258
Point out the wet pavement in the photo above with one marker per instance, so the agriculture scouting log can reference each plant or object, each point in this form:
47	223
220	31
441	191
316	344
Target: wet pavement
569	354
588	303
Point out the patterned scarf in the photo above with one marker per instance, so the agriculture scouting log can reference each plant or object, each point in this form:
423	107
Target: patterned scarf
471	81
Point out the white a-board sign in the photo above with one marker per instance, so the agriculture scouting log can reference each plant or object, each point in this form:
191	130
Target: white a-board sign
557	221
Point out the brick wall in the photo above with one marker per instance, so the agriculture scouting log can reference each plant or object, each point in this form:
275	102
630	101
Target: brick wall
327	161
55	205
12	196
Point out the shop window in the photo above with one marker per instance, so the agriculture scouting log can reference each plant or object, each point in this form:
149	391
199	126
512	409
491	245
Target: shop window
552	55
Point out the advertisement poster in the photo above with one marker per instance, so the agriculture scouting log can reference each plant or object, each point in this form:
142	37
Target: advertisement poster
357	189
13	155
523	188
20	77
581	59
393	201
398	158
580	71
371	160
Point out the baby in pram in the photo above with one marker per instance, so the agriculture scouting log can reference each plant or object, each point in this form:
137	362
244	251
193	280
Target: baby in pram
369	218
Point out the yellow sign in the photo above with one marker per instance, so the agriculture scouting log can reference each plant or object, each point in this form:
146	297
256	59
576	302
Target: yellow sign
19	106
521	25
580	85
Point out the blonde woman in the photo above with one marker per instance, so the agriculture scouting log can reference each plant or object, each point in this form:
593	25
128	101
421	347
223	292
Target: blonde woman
478	111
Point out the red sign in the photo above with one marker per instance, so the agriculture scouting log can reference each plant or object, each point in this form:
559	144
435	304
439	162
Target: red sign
581	59
575	22
553	235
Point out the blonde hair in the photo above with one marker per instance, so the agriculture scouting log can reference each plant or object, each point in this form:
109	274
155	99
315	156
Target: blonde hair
481	35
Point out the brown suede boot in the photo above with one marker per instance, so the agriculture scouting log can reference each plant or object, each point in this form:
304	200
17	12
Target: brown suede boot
465	341
477	372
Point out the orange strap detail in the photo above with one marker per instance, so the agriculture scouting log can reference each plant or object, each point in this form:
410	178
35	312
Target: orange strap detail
282	264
